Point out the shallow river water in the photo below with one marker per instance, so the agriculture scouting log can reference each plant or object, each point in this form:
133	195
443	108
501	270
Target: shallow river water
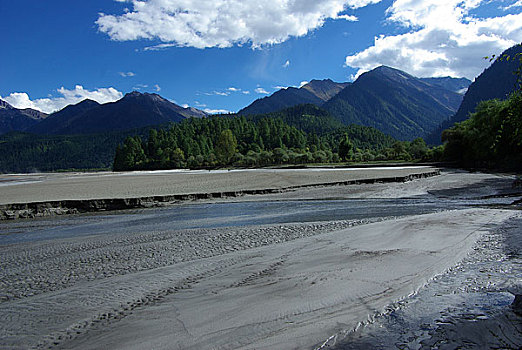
226	214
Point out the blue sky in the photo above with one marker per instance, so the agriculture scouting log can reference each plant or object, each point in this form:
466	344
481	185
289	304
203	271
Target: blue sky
221	55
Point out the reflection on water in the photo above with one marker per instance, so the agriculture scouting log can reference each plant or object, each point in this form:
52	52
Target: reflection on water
214	215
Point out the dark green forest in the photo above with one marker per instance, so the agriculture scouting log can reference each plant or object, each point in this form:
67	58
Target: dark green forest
492	135
297	135
23	152
490	138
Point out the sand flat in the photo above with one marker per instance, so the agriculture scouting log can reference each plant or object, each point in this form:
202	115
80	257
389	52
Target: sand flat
289	285
294	294
52	187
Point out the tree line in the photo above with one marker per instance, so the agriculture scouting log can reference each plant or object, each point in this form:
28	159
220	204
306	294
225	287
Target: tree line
262	140
490	138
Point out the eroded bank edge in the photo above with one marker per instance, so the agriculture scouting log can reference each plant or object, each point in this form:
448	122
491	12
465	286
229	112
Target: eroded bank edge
62	207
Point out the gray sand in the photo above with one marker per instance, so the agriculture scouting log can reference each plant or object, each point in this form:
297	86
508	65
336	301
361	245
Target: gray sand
52	187
261	287
293	294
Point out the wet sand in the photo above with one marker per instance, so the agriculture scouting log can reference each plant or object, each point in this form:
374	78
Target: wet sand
259	287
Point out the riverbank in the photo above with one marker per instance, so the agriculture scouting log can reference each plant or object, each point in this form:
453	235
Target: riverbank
29	196
128	281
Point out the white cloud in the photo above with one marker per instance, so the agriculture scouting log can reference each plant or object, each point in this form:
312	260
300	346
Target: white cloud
286	64
223	23
246	92
127	74
279	87
444	38
233	89
216	111
348	18
185	105
260	90
303	83
52	104
158	47
157	88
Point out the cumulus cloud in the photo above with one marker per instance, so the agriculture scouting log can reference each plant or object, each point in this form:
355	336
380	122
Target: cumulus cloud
233	89
260	90
444	38
157	88
223	23
53	104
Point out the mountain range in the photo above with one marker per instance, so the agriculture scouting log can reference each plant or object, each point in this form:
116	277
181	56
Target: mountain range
385	98
134	110
85	135
394	102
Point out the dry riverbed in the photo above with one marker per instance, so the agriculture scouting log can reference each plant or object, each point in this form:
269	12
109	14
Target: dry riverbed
289	285
26	188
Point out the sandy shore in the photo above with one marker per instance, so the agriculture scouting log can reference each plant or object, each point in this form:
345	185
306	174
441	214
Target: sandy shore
285	286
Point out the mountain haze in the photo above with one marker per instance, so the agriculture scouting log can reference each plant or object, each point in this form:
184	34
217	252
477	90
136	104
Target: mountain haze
458	85
324	89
